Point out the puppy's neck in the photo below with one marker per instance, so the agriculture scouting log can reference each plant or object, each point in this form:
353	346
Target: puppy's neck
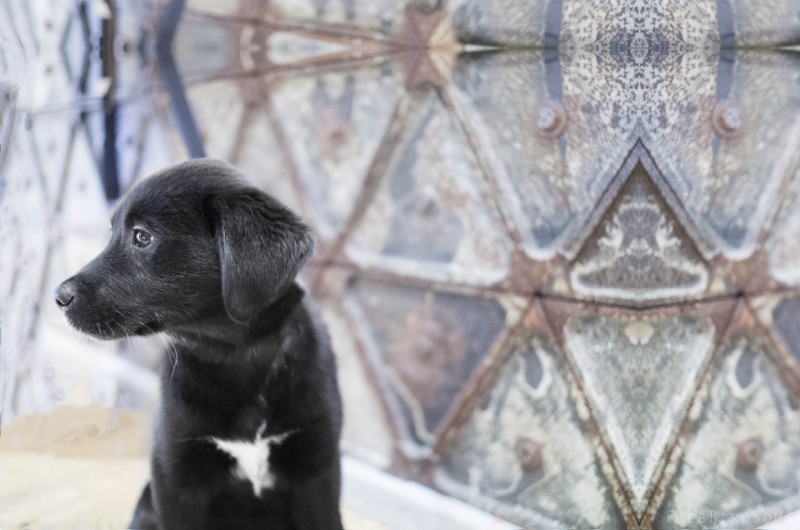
274	317
218	338
227	372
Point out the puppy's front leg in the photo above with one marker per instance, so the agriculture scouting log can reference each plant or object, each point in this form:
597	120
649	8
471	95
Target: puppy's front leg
315	502
185	477
182	509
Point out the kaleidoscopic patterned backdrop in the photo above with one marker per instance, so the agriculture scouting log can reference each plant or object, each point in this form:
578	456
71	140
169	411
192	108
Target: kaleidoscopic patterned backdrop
558	241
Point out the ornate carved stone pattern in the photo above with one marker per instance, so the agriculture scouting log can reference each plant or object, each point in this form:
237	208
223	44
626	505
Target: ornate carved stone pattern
639	252
742	455
638	373
557	241
427	342
524	451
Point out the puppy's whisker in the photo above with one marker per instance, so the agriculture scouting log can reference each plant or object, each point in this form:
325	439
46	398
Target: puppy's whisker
169	345
191	314
110	329
175	351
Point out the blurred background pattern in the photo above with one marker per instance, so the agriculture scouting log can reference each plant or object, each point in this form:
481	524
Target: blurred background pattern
558	241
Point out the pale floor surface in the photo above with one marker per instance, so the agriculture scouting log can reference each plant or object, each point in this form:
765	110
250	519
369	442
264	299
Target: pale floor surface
81	468
40	491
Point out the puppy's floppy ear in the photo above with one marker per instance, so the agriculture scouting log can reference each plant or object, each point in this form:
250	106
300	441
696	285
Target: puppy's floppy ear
261	245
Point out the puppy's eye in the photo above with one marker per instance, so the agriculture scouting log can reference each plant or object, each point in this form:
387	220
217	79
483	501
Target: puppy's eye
141	238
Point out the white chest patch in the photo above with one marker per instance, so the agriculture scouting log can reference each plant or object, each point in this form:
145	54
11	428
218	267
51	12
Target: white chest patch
252	458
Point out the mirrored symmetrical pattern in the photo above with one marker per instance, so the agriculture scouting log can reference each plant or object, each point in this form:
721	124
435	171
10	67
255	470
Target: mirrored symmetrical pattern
557	241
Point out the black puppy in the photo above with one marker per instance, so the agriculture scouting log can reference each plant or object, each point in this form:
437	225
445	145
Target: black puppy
248	430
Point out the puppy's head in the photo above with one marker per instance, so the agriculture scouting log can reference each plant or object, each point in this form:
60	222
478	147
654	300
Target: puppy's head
190	243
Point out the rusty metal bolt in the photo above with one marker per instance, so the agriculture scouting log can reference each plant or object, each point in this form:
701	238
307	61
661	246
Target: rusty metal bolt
529	454
427	6
551	119
749	453
727	119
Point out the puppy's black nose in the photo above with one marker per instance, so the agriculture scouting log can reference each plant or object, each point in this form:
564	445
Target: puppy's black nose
65	294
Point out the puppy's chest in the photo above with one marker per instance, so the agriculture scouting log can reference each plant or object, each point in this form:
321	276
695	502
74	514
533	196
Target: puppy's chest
251	457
